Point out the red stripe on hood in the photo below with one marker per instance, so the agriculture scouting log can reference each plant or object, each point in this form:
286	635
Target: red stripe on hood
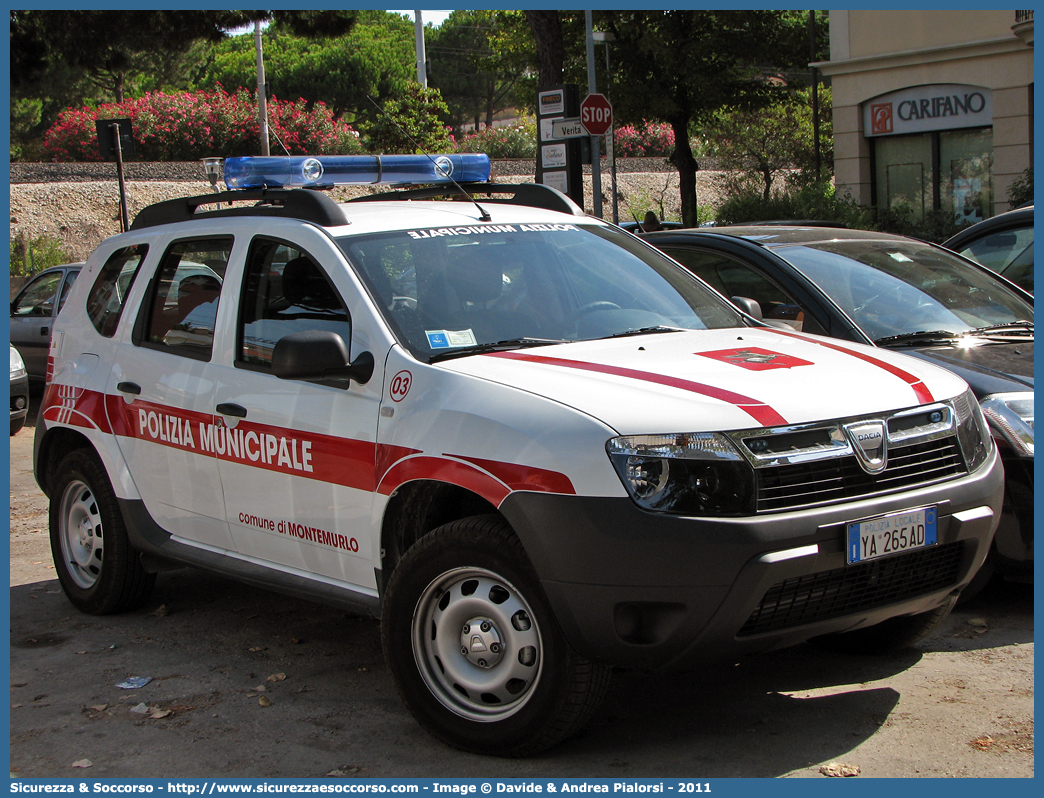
920	389
758	410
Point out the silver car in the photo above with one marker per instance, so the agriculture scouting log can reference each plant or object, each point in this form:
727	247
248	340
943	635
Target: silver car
33	312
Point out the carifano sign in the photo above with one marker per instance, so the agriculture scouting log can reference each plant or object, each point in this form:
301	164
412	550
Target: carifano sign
920	109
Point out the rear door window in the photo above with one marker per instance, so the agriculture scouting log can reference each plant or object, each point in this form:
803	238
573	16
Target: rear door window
181	310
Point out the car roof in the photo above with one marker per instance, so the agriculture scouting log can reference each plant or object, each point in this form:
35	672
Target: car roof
1001	220
376	216
780	235
316	207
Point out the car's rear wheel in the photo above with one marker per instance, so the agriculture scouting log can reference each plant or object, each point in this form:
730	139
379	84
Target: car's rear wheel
476	654
97	567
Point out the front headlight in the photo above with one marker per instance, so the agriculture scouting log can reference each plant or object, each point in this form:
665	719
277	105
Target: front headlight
17	366
1010	416
698	473
972	432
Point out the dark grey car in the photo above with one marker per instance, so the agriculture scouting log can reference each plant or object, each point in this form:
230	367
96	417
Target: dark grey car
899	293
1003	243
33	312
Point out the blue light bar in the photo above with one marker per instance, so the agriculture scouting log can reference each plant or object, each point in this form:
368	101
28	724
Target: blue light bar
302	171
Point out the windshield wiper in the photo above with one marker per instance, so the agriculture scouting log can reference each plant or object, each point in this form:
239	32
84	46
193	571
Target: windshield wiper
996	332
919	337
499	346
1019	328
659	328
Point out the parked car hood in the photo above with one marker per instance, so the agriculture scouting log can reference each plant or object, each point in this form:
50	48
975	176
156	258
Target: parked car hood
992	368
716	379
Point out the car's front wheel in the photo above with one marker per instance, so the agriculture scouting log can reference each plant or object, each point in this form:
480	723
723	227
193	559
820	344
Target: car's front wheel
476	654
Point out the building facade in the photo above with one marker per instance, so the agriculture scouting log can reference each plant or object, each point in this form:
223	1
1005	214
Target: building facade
933	110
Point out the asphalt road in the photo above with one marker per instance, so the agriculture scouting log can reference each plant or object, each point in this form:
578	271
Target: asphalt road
246	683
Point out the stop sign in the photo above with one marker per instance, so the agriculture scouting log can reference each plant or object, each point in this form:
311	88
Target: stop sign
596	114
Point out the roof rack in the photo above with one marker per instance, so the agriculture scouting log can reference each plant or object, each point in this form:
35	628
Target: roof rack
300	203
535	195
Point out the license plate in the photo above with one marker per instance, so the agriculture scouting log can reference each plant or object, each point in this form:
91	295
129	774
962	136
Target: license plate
891	534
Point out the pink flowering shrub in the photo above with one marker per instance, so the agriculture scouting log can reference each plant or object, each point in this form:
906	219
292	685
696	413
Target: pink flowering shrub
192	125
517	141
650	139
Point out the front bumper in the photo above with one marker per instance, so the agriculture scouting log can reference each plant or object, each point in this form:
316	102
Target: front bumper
638	589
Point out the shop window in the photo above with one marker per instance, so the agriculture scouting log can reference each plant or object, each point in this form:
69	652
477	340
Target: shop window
904	173
949	170
966	158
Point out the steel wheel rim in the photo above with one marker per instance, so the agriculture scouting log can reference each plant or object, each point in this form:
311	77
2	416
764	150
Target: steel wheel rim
456	654
81	534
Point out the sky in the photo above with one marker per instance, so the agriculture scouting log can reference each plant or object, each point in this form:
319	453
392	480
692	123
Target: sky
436	18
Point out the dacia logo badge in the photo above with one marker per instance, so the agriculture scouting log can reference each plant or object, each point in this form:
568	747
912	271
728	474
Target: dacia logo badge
869	441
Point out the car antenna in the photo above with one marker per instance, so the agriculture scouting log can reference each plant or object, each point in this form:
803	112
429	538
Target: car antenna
485	217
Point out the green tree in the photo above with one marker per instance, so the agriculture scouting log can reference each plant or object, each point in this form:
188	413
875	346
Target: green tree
680	67
375	60
771	141
476	63
1021	190
411	123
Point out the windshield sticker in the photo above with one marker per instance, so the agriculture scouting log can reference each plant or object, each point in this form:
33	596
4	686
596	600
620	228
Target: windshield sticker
448	339
756	359
438	232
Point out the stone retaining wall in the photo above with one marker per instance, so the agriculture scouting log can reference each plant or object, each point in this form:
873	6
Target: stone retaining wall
79	203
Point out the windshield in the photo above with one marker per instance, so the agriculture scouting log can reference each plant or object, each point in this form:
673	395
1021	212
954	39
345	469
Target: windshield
899	287
447	291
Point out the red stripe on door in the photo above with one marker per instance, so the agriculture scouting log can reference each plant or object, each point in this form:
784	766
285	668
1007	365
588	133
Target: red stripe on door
339	461
919	388
758	410
325	458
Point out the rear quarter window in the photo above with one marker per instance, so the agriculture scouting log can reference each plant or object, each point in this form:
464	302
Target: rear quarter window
109	293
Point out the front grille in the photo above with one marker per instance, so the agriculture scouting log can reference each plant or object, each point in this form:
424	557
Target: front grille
855	588
820	482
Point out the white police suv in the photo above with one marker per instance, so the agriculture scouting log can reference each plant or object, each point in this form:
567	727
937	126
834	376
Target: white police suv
531	444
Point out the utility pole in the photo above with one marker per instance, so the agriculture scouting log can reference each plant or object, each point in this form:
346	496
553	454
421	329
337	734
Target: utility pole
418	32
605	37
596	155
815	91
262	99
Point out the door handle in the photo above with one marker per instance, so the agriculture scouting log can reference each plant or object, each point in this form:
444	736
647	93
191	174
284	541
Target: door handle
44	330
230	409
129	387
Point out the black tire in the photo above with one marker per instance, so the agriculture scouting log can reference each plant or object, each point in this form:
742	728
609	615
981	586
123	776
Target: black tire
17	425
982	578
97	567
888	637
457	595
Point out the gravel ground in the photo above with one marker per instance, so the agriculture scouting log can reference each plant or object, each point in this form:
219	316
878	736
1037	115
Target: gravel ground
248	683
79	203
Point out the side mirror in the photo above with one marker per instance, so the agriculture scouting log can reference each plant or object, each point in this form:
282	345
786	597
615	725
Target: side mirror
318	355
748	306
